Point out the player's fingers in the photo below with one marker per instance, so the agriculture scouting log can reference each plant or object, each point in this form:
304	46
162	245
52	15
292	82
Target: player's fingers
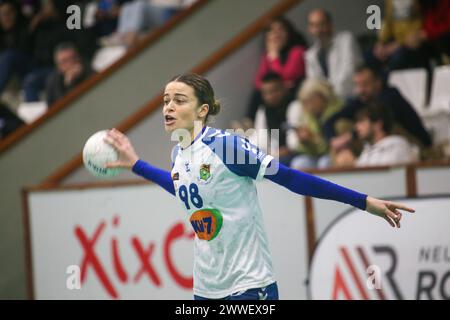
389	220
113	139
114	134
399	214
401	207
390	214
118	134
123	140
394	222
109	140
394	217
113	164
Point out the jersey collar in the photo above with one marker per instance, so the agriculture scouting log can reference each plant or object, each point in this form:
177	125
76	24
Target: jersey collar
199	136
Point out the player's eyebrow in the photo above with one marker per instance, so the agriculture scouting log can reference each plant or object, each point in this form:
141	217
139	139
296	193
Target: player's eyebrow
176	94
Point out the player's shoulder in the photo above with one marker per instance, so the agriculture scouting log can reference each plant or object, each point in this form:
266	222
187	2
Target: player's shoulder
228	138
227	143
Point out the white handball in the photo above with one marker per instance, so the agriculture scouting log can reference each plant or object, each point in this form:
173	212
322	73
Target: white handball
97	153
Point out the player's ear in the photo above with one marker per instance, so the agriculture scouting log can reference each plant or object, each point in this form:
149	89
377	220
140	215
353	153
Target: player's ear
203	110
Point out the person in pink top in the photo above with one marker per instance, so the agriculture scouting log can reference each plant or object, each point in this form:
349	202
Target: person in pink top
284	55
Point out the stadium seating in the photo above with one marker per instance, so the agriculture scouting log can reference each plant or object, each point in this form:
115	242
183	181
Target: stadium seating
412	85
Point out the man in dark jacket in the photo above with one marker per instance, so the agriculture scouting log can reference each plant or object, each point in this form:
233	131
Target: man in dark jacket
369	87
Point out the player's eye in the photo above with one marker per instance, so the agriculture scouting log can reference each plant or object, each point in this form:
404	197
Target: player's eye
166	102
179	101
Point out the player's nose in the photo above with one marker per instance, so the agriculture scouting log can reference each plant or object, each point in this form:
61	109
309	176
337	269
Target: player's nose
169	107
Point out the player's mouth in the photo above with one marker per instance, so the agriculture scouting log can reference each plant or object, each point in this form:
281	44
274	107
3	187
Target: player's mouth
169	120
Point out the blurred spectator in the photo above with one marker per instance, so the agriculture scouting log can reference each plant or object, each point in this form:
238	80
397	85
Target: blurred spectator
15	57
284	55
272	115
402	42
369	87
106	16
138	16
48	28
8	121
168	8
70	71
29	7
333	56
319	103
445	51
436	25
374	125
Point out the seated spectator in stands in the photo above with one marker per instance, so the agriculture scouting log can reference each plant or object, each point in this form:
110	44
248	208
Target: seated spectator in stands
369	87
333	56
402	43
8	121
319	103
70	71
374	124
284	55
168	8
106	16
139	16
15	57
436	26
272	115
29	7
48	28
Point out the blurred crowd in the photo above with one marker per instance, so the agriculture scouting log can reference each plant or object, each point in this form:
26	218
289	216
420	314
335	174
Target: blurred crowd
329	99
331	102
41	59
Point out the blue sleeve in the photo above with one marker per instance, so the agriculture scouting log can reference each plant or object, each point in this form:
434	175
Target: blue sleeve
158	176
309	185
238	154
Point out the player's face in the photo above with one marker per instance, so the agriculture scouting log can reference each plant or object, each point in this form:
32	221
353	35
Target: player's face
181	107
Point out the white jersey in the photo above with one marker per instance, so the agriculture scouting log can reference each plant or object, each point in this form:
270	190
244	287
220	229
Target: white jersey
391	150
214	179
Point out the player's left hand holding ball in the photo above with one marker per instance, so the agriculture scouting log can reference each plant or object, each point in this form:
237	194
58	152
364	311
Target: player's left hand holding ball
127	156
387	210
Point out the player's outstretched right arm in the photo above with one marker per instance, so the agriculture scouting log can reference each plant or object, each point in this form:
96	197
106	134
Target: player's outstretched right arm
129	159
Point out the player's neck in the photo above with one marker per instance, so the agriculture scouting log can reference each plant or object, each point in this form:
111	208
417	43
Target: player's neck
194	133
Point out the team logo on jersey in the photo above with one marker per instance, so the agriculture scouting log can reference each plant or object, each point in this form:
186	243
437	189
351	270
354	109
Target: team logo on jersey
205	172
176	176
206	223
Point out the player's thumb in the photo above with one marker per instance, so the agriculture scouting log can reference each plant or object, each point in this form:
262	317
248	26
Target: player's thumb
114	164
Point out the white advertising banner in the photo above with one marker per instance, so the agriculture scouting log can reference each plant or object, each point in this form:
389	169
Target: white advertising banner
134	242
126	241
361	258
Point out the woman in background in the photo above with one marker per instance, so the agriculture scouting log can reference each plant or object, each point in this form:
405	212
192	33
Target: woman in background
284	55
318	103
